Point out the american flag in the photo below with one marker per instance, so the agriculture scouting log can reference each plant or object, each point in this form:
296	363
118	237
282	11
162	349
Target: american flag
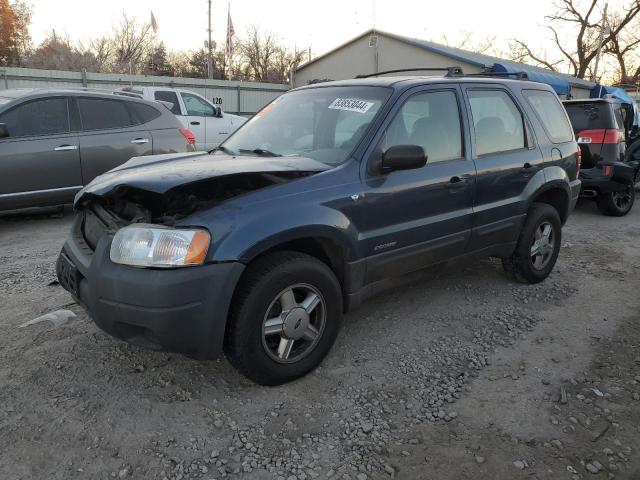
231	33
154	24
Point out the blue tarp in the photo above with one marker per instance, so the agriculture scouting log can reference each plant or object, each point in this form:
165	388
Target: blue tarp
558	82
600	91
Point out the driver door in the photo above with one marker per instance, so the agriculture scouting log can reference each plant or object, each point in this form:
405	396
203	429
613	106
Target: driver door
419	217
209	130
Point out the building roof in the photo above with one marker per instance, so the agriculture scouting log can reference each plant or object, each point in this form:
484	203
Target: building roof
559	81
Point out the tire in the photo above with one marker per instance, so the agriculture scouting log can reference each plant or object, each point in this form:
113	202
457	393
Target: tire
280	287
617	204
525	266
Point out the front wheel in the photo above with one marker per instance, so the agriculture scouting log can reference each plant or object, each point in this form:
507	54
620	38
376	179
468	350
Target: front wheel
284	318
617	204
538	246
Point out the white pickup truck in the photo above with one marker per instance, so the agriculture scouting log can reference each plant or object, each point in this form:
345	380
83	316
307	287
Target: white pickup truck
209	124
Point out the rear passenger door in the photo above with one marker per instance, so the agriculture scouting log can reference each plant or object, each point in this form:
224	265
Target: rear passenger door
111	135
414	218
506	158
39	161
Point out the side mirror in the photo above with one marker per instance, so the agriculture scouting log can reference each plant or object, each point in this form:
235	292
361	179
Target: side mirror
4	131
403	157
218	112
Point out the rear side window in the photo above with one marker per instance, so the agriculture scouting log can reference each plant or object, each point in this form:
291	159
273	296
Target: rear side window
144	113
430	120
551	114
619	118
102	114
497	121
39	117
172	97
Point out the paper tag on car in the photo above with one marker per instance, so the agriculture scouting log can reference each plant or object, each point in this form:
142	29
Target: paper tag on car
351	105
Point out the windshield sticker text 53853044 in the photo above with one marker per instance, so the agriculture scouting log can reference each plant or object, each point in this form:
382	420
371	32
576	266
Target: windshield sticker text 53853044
351	105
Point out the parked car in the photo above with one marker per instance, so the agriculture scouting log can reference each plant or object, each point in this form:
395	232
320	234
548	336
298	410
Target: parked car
602	127
53	142
210	125
328	195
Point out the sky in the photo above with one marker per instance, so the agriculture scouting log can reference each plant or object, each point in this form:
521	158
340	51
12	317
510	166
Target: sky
321	24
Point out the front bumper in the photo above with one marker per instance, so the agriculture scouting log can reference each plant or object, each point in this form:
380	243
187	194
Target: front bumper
183	310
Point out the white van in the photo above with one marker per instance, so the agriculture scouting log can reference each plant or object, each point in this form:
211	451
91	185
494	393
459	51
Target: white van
209	124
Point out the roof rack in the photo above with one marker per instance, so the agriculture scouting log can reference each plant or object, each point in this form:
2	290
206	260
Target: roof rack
451	71
517	75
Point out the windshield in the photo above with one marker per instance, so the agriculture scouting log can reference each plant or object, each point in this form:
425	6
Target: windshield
4	100
323	123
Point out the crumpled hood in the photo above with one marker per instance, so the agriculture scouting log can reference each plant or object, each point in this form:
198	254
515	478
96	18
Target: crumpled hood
161	173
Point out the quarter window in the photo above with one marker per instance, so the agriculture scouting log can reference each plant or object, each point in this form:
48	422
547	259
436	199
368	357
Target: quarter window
102	114
171	97
551	114
497	121
39	117
196	106
430	120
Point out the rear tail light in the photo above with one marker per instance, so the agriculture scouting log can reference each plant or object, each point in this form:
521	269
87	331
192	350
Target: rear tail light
607	169
188	135
608	136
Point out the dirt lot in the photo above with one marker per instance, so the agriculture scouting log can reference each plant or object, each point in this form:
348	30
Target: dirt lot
464	375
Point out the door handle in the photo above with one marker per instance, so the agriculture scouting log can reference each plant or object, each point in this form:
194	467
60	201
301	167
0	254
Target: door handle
457	182
527	169
140	141
65	148
194	123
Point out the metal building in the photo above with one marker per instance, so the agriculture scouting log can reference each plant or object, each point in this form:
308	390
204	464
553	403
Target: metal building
375	51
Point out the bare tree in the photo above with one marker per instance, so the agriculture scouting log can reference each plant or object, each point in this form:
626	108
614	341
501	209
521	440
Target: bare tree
584	23
131	43
625	49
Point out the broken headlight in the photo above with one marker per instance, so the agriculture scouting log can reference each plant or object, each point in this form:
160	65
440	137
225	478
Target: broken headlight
143	245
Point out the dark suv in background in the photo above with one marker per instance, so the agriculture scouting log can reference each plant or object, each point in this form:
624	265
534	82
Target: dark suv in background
325	197
602	127
53	142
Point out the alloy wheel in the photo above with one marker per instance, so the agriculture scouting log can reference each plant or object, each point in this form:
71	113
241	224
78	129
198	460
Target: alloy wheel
543	245
293	323
622	200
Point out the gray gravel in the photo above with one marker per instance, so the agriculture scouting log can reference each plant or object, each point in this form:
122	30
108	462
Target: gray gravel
462	375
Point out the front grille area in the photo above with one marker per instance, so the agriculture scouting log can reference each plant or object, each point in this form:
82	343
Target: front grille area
93	228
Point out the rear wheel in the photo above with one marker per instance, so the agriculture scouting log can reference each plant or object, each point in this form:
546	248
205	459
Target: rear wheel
617	204
285	317
538	246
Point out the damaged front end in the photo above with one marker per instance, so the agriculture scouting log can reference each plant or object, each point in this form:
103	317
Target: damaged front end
171	191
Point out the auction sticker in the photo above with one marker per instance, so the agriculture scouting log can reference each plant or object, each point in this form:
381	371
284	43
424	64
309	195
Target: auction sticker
351	105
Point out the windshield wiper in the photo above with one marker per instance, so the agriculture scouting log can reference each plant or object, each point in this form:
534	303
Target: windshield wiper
222	148
260	151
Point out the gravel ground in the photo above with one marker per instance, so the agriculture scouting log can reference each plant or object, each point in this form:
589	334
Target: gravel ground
461	375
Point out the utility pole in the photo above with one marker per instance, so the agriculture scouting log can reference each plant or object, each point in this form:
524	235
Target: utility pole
209	47
594	77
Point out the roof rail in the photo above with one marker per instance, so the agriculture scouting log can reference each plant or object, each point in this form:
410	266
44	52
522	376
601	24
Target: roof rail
451	71
517	75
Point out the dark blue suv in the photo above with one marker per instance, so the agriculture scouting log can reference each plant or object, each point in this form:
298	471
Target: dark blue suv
326	196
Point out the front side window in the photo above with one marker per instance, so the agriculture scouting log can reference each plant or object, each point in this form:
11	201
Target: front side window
196	106
48	116
497	121
430	120
322	123
171	97
103	114
551	114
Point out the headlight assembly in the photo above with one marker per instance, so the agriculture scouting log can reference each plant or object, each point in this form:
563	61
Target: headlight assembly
144	245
